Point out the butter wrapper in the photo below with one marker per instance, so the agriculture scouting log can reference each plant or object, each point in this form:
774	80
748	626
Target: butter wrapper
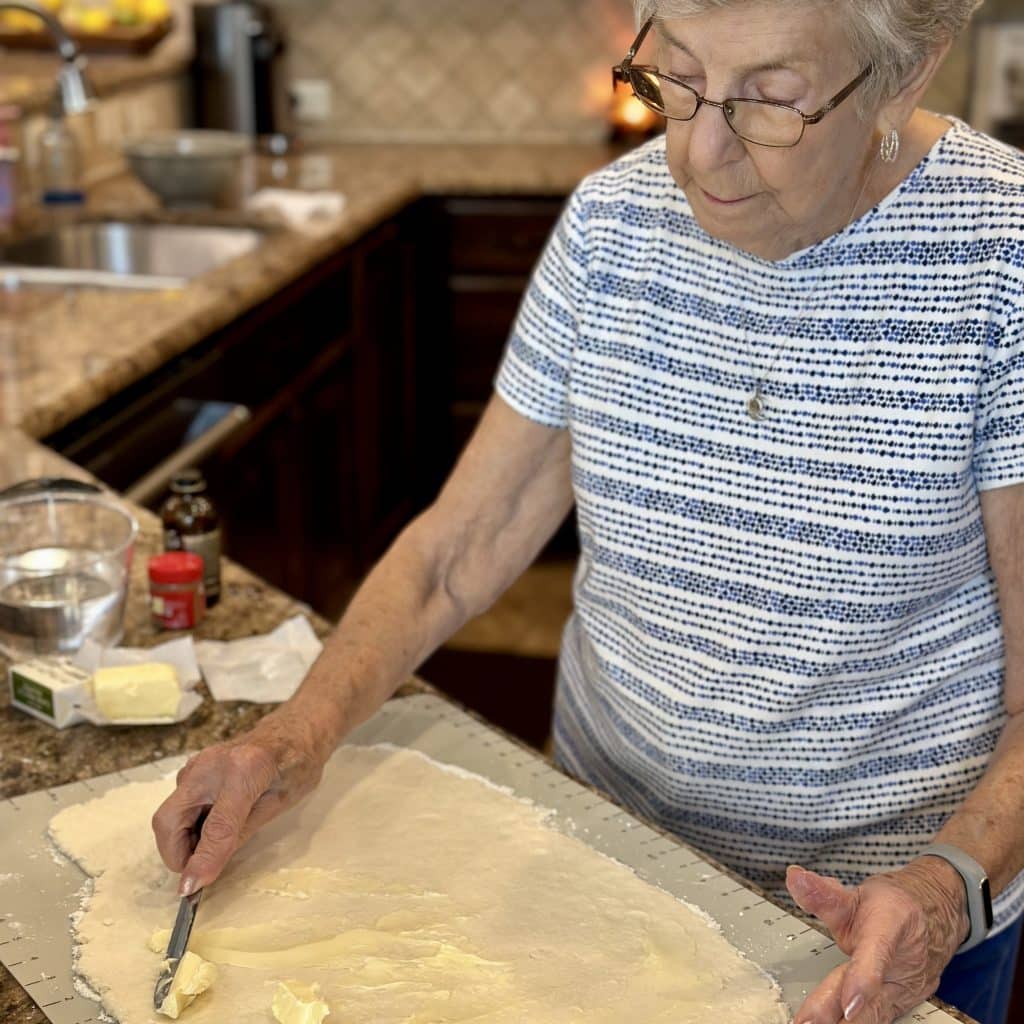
51	689
178	652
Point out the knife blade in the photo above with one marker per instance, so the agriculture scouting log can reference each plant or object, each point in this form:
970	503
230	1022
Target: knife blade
176	947
178	944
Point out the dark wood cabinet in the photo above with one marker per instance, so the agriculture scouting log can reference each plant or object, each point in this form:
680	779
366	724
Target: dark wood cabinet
489	246
316	485
328	485
385	365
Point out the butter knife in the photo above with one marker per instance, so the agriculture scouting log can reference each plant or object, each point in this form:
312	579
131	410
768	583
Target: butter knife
182	929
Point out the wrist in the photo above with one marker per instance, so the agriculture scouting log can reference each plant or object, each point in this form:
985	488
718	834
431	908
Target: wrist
945	888
319	719
977	898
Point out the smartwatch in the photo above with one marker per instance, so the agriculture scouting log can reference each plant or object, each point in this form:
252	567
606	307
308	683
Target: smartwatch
979	896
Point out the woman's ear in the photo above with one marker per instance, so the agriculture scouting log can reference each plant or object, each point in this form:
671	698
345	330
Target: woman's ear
897	110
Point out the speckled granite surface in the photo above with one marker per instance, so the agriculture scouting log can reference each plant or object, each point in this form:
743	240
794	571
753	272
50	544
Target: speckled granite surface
78	348
34	755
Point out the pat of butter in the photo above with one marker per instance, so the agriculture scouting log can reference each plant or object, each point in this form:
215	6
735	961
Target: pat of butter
137	691
295	1003
194	975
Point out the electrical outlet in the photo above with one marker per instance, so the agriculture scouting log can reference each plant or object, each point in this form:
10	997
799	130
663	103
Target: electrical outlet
311	99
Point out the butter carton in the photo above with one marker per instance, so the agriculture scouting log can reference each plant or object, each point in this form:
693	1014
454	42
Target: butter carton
51	689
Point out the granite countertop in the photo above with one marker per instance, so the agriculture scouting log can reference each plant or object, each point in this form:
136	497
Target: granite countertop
77	348
34	755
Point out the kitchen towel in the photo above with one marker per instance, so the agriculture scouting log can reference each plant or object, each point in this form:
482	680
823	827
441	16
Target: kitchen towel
309	212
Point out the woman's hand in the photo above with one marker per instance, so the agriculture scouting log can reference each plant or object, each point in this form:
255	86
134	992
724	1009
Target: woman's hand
245	783
899	929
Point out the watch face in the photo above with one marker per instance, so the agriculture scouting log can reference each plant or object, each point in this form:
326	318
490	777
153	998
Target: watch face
986	900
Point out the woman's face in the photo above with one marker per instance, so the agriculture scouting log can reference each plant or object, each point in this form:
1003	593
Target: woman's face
770	202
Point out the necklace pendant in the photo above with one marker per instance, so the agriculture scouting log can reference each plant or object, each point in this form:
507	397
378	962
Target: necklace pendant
755	405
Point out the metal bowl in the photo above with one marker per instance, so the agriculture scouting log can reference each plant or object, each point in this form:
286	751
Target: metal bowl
190	168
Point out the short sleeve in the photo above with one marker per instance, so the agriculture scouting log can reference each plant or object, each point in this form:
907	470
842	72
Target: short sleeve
534	373
999	420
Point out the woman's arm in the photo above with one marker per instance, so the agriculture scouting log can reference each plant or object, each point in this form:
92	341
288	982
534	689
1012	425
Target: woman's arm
505	498
901	929
990	823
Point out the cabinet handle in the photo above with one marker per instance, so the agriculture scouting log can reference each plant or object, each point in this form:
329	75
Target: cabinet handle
157	480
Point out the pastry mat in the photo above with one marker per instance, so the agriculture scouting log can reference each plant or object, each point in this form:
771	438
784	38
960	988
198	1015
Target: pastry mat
39	888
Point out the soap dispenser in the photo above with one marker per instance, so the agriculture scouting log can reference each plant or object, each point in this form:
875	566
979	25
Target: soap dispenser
60	162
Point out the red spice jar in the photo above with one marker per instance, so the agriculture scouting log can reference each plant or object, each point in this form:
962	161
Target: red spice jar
176	589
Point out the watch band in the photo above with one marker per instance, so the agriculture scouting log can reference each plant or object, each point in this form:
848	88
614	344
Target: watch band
979	896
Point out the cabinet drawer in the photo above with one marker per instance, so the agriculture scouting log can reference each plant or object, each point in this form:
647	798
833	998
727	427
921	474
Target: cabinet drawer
499	236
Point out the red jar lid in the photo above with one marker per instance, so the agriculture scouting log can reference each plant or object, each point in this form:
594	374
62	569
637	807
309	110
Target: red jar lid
176	567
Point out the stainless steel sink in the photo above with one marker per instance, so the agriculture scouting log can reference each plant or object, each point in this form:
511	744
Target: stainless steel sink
125	255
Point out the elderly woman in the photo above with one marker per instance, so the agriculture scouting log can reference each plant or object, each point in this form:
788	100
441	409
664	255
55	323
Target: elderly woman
777	360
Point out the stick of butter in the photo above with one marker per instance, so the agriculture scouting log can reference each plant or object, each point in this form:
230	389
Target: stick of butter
194	975
151	690
295	1003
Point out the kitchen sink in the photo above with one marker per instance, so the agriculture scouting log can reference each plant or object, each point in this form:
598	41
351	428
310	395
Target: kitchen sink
125	255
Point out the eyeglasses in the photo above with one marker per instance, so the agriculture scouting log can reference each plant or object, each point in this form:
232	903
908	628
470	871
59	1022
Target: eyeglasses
761	122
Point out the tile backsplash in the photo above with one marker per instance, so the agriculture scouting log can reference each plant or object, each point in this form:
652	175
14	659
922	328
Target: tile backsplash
480	70
465	70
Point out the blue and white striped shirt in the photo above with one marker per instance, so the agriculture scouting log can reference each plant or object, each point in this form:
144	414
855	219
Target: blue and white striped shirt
786	645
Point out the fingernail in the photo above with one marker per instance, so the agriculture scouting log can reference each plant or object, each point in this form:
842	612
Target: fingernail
853	1009
188	886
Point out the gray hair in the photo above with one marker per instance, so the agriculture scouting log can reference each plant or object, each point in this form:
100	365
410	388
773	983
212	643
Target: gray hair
894	36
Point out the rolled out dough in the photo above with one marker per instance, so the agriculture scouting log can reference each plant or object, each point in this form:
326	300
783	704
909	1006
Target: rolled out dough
411	894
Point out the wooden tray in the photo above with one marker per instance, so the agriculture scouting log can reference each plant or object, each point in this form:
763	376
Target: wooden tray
123	39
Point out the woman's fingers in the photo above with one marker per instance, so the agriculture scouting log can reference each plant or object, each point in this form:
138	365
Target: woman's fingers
824	1004
243	784
229	780
247	772
827	899
863	997
175	818
172	827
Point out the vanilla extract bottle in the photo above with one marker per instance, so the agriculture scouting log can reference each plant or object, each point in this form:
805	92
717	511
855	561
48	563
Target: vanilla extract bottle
191	523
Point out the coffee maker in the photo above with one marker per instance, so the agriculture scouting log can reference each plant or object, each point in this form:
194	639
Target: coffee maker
238	79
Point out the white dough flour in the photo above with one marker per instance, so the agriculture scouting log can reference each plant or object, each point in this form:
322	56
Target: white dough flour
410	894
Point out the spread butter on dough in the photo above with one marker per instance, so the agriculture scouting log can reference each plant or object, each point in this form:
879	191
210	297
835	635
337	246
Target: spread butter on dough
410	894
295	1003
193	977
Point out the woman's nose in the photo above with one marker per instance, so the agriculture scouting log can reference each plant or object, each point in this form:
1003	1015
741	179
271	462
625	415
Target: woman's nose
712	143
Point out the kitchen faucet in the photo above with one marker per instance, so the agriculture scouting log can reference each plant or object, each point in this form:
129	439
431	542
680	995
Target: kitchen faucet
73	86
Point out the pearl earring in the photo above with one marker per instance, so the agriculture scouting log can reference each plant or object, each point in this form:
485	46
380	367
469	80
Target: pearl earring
890	148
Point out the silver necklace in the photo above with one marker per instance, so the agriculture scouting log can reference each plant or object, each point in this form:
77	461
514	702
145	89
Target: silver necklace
756	406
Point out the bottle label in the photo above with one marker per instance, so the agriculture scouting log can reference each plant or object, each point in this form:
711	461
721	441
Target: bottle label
178	610
207	546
